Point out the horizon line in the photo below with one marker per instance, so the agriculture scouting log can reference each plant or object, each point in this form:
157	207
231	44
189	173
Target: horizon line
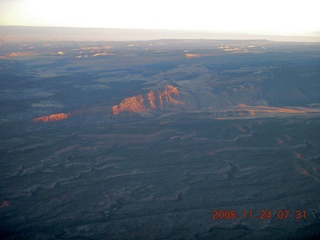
206	34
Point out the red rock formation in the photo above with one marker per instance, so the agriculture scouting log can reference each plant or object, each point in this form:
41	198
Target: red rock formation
151	99
167	94
136	103
52	117
132	104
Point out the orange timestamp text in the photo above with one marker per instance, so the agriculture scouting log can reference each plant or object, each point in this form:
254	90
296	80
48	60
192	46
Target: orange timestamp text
262	214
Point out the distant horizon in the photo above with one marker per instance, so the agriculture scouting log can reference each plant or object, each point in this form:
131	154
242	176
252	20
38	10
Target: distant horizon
34	33
270	18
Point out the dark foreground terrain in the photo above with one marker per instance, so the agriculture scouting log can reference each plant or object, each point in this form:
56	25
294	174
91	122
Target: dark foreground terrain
229	151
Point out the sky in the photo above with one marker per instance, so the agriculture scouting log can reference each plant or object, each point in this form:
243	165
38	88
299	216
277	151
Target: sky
271	17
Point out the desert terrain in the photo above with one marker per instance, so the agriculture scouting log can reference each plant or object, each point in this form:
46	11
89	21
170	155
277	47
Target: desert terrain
159	139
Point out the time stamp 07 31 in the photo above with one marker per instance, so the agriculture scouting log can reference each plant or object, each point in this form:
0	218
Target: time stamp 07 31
262	214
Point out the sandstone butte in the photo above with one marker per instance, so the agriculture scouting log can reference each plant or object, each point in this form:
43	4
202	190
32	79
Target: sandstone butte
138	104
52	117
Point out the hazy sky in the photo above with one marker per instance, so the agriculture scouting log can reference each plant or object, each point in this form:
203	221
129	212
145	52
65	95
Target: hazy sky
284	17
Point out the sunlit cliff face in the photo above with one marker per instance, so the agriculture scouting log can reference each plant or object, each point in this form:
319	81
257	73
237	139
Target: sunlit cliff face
166	94
52	117
132	104
151	98
154	100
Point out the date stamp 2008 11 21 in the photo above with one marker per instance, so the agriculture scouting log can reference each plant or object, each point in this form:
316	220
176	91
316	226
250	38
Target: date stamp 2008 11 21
263	214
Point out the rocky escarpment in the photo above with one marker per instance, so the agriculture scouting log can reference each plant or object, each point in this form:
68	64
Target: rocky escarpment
151	101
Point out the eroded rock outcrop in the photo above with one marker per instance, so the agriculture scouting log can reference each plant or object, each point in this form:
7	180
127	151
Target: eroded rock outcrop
152	100
131	104
52	117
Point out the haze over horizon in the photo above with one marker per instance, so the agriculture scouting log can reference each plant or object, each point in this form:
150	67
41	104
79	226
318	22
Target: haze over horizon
282	18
